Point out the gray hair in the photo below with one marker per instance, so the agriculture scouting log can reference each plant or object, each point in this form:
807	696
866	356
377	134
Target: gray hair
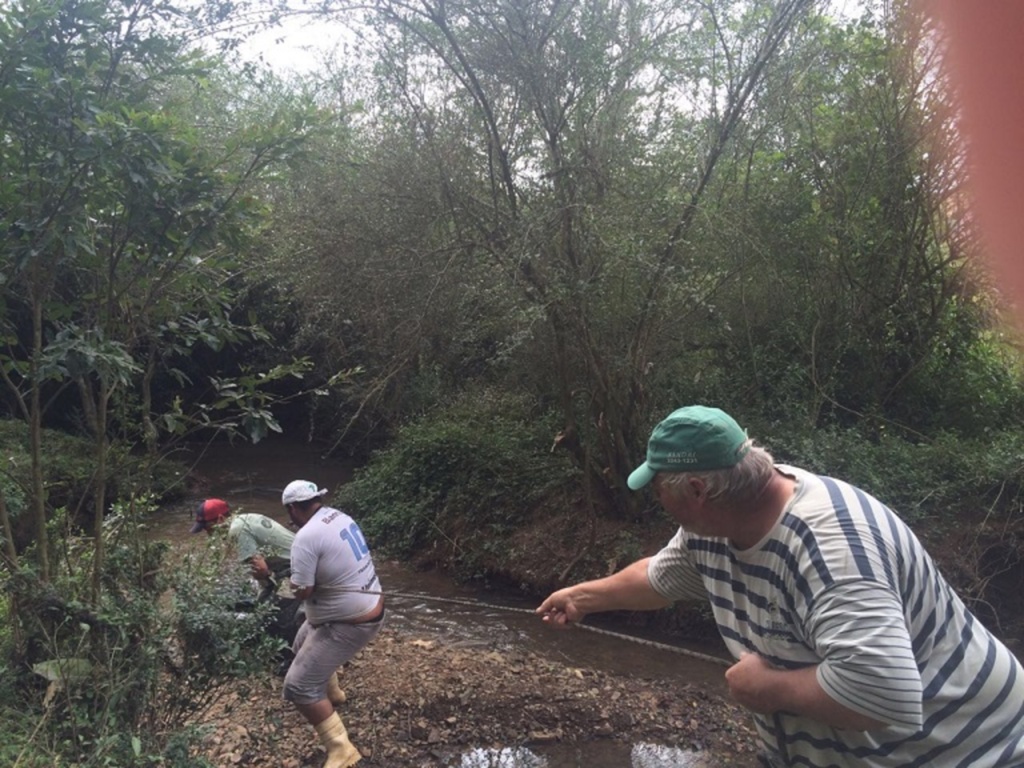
738	484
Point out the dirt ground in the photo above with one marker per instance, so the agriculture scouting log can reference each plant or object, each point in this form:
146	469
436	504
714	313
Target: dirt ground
416	701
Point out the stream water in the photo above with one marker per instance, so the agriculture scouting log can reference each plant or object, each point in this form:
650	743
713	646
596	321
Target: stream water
250	479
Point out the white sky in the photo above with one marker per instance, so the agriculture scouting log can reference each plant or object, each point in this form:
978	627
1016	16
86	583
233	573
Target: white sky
298	46
301	45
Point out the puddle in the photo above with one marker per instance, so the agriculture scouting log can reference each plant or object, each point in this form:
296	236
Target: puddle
641	756
508	757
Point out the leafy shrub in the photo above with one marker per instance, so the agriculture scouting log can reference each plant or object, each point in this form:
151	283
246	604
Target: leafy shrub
113	682
69	473
939	478
468	472
219	626
67	465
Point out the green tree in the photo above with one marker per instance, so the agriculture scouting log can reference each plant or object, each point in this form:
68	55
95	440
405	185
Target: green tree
850	205
536	170
123	217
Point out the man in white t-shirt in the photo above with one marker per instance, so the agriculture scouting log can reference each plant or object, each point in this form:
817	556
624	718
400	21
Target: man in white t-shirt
333	574
851	648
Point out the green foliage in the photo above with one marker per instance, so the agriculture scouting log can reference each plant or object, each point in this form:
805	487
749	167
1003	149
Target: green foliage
113	684
129	198
67	464
938	480
628	548
464	475
217	636
971	383
553	219
69	471
849	209
509	196
18	727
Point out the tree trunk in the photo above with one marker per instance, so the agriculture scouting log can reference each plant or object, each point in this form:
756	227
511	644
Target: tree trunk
38	493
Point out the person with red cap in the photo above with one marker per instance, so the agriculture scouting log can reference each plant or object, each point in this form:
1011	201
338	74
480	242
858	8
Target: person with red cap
263	543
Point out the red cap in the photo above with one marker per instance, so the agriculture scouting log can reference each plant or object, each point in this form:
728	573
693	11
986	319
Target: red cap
209	511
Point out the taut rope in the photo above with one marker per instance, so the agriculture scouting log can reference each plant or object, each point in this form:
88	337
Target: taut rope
478	604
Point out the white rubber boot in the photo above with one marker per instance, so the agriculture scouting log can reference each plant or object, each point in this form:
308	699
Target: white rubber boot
334	692
340	751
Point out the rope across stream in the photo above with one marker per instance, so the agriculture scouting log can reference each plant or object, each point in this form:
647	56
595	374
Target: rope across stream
597	630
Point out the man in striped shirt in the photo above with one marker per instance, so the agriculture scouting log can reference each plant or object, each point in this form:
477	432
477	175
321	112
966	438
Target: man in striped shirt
851	648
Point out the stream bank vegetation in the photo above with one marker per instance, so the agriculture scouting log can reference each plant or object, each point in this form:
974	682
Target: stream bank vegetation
482	253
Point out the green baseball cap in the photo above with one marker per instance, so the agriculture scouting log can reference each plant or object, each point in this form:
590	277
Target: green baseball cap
691	439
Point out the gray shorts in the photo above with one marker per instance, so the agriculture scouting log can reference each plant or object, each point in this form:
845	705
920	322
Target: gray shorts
319	652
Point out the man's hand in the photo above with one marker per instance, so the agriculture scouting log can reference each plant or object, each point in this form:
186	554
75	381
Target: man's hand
760	687
749	681
628	589
260	569
560	610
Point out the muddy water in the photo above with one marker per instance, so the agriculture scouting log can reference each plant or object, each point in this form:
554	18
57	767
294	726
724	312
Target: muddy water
250	479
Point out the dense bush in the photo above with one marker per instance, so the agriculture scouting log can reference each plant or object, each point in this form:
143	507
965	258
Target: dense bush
938	479
67	466
69	472
116	682
458	477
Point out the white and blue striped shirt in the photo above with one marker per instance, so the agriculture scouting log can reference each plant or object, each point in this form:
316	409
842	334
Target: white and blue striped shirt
842	582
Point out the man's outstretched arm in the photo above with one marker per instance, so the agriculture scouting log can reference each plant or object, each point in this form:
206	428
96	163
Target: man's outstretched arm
629	590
